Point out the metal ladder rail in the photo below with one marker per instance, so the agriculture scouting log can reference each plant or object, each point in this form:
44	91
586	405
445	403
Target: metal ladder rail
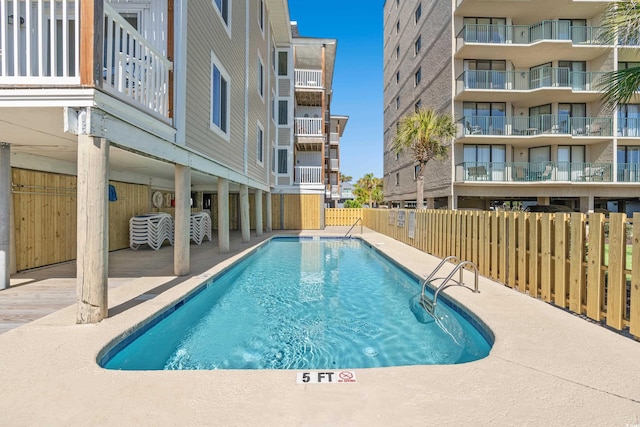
430	306
433	273
359	220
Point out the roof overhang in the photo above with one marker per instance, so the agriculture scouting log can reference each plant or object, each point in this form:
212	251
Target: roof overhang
279	14
342	120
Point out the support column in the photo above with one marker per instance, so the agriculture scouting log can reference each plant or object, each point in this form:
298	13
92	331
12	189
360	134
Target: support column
182	220
244	213
258	212
223	215
544	200
587	204
269	213
431	203
93	229
5	215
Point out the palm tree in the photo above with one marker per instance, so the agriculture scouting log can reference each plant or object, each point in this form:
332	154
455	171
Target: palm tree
426	134
621	22
345	178
366	186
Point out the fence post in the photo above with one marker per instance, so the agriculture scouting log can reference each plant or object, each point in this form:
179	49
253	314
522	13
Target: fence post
576	256
634	310
595	291
560	258
616	282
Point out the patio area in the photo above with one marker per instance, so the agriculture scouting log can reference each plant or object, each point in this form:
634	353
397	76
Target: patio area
547	367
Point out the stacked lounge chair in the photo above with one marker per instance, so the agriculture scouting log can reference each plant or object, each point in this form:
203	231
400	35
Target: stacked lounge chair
200	227
150	229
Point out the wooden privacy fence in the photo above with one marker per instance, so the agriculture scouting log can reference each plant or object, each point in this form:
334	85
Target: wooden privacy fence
588	265
341	216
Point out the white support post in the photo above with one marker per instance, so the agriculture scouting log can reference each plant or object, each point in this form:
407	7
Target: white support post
182	220
258	212
244	213
93	229
5	215
223	215
269	213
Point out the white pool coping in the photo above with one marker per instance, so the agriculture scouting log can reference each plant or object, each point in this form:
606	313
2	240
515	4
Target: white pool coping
547	367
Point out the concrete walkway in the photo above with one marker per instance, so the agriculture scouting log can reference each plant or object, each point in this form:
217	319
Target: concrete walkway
547	367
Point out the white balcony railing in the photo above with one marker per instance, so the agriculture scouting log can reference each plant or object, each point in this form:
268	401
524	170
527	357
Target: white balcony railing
308	175
134	69
40	46
33	50
334	165
306	126
334	138
308	78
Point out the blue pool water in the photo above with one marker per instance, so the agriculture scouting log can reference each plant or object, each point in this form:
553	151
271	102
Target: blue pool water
304	304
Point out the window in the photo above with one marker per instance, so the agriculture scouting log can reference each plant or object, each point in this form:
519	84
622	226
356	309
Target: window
486	118
416	171
397	27
397	102
260	77
282	160
417	105
397	178
397	52
397	77
223	9
417	45
491	30
629	120
219	98
283	67
283	112
417	77
628	163
397	155
486	74
261	15
418	13
260	144
490	159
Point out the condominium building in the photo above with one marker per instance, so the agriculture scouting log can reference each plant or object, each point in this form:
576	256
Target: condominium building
122	107
521	80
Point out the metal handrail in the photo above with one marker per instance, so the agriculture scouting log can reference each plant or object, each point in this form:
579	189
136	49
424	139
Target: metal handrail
430	306
354	224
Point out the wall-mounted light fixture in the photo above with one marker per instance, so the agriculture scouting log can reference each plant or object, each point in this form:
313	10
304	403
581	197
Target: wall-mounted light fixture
522	74
10	20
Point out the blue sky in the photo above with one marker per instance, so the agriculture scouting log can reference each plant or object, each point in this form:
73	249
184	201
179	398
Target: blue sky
357	80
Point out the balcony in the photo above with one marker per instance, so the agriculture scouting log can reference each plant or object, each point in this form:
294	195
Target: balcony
334	164
541	125
533	172
308	79
628	172
307	175
551	40
305	126
628	127
35	56
334	138
473	85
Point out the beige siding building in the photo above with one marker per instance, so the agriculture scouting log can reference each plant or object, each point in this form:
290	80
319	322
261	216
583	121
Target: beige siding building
521	79
175	107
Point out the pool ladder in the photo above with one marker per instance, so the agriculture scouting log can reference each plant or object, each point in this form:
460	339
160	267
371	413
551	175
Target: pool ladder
359	220
430	304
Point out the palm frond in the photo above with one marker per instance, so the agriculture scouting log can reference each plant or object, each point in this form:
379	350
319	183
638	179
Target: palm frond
619	86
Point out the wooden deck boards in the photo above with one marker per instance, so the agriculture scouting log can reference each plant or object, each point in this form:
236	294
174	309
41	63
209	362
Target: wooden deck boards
36	293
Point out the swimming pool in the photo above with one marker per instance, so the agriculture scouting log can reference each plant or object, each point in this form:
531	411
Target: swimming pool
297	303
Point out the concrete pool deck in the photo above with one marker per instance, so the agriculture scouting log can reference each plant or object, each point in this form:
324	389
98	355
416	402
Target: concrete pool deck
547	367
